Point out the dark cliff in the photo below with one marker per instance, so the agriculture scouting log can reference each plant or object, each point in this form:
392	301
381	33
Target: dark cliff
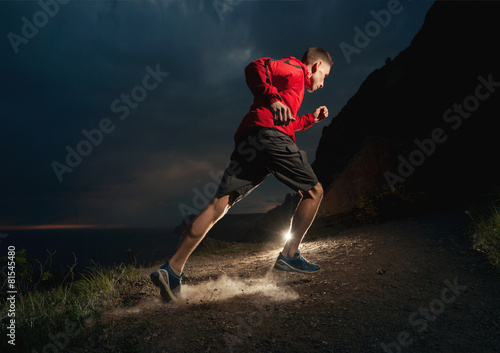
443	88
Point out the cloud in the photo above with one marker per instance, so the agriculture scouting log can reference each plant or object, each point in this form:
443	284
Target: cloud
225	63
152	191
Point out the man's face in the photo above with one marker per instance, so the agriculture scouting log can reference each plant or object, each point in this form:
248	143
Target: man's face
319	71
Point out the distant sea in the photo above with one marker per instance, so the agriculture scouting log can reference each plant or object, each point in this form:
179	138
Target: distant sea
104	246
109	246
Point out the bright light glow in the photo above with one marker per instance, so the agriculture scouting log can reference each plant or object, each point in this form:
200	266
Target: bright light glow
287	235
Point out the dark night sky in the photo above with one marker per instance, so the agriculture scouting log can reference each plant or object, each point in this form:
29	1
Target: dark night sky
85	55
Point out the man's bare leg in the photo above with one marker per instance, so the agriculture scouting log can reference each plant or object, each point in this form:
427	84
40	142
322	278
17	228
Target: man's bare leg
303	218
197	230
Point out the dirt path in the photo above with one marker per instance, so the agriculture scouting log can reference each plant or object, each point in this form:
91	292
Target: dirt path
411	285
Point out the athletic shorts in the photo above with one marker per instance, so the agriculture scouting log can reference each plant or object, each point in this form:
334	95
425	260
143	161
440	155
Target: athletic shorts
260	153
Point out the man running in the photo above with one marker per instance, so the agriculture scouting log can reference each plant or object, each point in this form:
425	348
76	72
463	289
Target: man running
264	144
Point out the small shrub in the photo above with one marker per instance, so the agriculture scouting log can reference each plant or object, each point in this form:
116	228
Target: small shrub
387	204
486	235
30	273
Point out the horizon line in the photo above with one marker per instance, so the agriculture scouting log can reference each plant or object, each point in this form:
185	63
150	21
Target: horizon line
53	226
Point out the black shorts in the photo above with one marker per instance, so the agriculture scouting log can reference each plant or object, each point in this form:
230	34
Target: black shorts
266	151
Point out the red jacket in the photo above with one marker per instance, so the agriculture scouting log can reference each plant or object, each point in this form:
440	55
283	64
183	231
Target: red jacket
276	80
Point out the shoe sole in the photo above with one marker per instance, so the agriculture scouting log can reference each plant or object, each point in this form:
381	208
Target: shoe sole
163	284
283	266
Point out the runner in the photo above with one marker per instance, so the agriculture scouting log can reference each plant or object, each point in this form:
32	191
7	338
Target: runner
264	144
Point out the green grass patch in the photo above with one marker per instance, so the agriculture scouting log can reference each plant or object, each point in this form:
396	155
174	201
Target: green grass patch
55	316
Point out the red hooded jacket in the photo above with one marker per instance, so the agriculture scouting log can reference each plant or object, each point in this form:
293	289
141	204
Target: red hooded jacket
276	80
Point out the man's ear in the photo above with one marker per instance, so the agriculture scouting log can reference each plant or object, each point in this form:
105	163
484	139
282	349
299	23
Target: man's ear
316	66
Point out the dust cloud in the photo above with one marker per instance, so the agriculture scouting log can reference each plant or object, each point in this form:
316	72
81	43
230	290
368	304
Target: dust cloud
226	287
269	288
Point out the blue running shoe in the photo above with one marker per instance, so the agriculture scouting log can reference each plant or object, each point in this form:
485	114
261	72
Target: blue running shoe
295	263
168	282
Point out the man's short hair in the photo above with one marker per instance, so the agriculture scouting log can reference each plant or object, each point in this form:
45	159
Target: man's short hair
314	54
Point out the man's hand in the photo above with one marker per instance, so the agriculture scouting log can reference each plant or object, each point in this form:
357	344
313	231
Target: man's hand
281	113
320	113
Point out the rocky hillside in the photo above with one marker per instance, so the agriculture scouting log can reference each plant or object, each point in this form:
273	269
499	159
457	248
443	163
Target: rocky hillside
426	121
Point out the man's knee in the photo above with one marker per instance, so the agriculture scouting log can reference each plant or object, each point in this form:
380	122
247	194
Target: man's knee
224	203
316	192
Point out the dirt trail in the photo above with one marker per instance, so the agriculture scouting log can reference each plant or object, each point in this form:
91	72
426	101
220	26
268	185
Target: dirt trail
411	285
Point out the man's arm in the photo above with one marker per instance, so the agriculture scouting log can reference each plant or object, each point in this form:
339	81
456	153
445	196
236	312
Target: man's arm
258	76
306	121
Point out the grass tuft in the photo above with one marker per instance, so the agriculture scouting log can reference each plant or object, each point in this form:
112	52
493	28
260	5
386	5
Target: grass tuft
486	235
42	313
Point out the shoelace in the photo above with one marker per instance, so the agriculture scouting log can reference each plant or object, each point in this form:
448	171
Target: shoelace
305	261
